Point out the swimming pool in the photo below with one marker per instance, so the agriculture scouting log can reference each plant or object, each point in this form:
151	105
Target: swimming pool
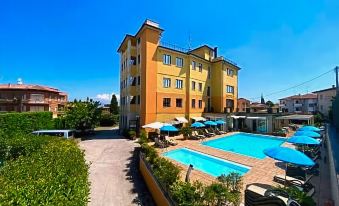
247	144
206	163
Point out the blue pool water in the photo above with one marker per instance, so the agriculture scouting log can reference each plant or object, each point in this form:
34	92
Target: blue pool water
245	144
205	163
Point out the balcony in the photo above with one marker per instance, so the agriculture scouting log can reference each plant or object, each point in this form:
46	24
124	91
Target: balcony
298	105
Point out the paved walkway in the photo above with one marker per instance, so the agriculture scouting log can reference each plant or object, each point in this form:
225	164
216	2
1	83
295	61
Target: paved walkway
114	176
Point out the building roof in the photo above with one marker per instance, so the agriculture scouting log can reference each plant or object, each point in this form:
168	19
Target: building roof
243	99
296	117
325	90
303	96
29	87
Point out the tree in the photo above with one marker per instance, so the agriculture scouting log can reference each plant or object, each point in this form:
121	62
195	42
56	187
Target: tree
269	103
262	100
82	115
114	108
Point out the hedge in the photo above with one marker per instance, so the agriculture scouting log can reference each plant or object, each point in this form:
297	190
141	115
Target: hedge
25	122
56	174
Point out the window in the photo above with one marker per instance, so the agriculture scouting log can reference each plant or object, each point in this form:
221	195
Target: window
194	65
193	85
178	102
200	87
138	99
200	103
138	41
166	59
139	59
230	89
138	80
167	82
209	73
133	61
200	67
321	107
208	91
178	84
179	62
166	102
193	103
321	96
230	72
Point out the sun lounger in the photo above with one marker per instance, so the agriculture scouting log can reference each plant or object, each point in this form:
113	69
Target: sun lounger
159	143
258	196
170	141
199	135
300	184
208	133
220	131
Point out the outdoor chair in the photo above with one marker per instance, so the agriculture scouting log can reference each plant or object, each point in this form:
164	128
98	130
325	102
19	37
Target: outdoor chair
259	196
199	136
211	130
159	143
170	141
208	133
305	186
220	131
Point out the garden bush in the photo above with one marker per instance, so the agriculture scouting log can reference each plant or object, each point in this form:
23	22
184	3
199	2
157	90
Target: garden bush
25	122
56	174
107	119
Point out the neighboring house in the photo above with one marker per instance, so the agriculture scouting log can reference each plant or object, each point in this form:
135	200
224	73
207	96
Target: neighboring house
161	82
243	105
31	98
301	104
325	98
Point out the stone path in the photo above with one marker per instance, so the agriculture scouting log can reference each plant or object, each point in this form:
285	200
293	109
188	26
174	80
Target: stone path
114	175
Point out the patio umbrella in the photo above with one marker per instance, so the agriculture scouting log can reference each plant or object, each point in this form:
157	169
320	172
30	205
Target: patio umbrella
210	123
220	122
155	125
168	128
303	140
307	133
288	155
197	125
309	128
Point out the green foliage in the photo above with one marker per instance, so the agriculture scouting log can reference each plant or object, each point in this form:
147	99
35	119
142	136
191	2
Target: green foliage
269	103
114	108
59	123
25	122
150	153
82	115
232	181
165	171
18	144
318	119
56	174
215	194
186	131
143	138
300	196
132	134
108	119
185	193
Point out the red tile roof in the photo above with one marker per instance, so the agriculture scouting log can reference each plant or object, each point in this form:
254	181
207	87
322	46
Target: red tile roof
29	87
304	96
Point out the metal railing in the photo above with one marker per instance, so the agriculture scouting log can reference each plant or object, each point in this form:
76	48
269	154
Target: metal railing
174	47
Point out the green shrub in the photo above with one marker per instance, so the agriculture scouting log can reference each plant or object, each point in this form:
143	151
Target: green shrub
185	193
59	123
54	175
143	138
186	131
19	144
165	171
108	119
25	122
300	196
132	134
150	153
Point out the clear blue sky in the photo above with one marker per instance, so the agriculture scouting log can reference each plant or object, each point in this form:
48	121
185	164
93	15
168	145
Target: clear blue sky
72	45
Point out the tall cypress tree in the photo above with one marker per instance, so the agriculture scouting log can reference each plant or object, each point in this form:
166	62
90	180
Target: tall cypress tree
114	108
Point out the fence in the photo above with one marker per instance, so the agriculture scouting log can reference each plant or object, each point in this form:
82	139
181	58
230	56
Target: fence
335	110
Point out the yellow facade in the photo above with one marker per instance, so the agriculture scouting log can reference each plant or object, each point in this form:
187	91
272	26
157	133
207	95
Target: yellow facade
168	88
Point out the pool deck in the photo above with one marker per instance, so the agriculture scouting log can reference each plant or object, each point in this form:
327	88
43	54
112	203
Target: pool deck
262	170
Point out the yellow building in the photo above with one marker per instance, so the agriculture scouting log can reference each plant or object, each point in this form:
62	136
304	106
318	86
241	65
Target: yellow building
160	82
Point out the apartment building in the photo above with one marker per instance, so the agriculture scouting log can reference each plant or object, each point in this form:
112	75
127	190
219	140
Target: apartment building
243	105
305	104
325	98
161	82
31	98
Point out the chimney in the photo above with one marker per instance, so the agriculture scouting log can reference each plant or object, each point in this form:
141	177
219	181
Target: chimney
215	52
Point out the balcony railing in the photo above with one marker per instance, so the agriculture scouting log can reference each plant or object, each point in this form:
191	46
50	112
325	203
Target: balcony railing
298	105
174	47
